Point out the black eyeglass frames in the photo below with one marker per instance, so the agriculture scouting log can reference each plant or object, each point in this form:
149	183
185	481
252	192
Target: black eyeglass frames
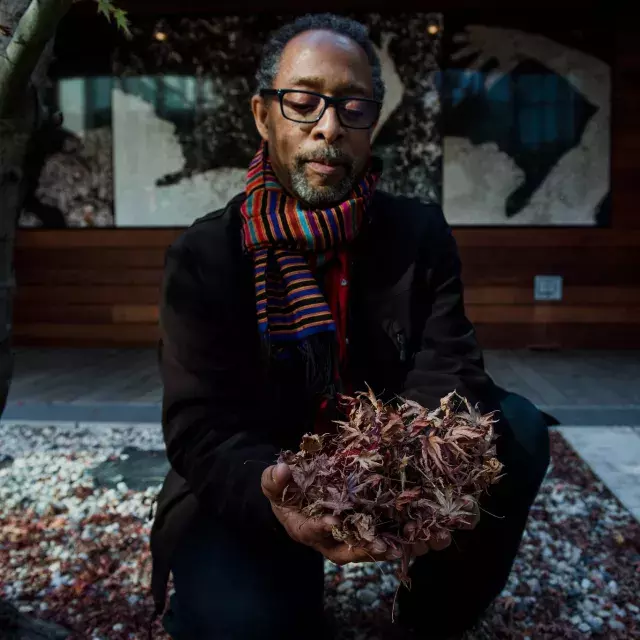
308	107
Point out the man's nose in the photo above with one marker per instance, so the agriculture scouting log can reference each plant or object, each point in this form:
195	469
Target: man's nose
328	127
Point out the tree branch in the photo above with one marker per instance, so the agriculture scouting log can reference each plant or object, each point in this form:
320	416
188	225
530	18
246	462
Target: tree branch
36	27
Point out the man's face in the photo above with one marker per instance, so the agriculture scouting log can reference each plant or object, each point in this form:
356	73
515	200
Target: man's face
320	162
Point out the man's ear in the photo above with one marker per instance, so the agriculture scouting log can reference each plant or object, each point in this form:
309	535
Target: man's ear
261	115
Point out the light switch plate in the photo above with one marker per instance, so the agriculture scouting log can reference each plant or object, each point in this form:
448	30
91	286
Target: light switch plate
547	288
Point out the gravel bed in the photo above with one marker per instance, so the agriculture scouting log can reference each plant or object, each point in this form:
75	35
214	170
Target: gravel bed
75	552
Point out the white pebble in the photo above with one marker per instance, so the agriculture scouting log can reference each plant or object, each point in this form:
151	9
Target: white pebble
534	585
367	596
595	623
345	586
87	533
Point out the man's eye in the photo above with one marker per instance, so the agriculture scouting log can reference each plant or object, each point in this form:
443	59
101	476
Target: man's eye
354	108
301	102
299	106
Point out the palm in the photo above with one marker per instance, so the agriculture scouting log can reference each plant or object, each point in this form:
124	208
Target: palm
489	44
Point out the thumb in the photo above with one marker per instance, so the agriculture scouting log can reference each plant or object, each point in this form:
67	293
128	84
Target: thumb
274	480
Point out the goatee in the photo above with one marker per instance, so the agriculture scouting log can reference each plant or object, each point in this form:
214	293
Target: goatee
324	196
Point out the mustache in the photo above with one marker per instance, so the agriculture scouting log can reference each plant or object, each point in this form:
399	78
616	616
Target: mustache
326	155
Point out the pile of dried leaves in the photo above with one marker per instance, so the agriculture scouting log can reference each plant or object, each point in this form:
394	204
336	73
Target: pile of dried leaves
391	467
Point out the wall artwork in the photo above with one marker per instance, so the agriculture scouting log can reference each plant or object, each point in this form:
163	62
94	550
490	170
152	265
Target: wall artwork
501	124
526	127
70	168
184	134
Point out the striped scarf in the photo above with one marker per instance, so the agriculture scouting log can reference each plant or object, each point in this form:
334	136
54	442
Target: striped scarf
287	241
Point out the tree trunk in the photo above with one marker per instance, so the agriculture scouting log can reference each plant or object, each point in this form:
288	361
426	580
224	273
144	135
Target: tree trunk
26	31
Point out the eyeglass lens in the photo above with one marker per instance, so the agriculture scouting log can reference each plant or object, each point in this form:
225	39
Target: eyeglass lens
307	108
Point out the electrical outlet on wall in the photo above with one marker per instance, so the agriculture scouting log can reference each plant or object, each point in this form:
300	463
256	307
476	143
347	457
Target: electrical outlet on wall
547	288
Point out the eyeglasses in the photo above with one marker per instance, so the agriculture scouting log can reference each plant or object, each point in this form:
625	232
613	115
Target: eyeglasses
307	107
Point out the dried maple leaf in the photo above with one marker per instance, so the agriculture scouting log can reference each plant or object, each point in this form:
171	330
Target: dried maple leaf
362	526
303	474
393	429
350	433
387	467
406	497
431	452
368	460
338	501
311	443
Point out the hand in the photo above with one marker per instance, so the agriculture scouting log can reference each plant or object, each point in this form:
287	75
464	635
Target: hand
443	539
474	515
316	532
504	47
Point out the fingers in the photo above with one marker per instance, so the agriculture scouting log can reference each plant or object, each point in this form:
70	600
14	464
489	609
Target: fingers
380	551
393	554
274	480
377	547
460	38
479	62
312	532
464	52
420	549
440	541
410	530
341	554
318	530
474	515
437	542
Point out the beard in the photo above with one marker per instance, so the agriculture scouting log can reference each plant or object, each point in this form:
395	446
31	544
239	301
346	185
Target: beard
325	195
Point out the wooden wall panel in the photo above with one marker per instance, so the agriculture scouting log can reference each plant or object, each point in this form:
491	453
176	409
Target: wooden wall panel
91	291
100	287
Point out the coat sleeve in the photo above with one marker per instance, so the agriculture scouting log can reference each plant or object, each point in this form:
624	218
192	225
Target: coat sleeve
448	356
211	410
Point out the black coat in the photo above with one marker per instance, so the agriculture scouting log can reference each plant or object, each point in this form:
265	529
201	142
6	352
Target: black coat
225	418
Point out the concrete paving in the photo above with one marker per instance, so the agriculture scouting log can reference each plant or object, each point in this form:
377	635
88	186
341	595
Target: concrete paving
613	453
593	394
594	388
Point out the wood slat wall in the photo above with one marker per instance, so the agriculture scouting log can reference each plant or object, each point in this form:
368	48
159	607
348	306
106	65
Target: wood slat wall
100	287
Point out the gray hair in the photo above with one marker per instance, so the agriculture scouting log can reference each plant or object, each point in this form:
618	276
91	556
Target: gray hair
272	51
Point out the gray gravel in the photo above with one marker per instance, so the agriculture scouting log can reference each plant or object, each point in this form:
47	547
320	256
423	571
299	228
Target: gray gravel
76	552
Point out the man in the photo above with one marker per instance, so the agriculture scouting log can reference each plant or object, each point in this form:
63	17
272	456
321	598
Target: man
310	283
